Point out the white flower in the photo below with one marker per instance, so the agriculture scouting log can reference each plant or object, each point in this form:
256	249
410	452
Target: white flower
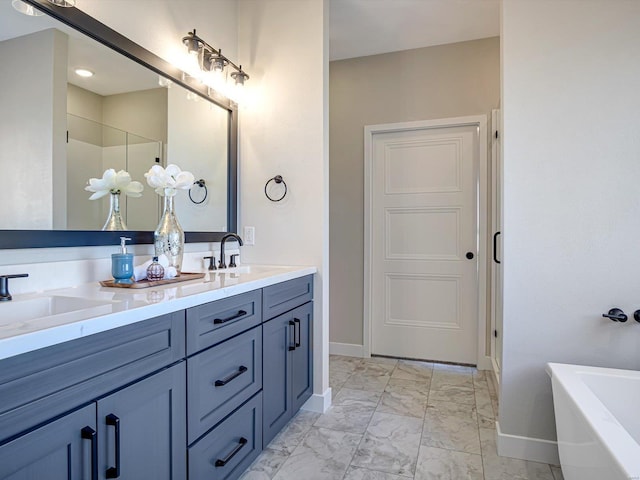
168	181
114	182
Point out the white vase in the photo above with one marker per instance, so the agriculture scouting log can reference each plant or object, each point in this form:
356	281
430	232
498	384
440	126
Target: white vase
114	220
168	237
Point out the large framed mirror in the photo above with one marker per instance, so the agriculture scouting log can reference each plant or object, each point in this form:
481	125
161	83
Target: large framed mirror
59	129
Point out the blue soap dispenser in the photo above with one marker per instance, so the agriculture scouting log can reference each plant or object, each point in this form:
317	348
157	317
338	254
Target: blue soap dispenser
122	264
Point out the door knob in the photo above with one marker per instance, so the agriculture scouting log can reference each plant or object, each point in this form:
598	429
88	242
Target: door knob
469	255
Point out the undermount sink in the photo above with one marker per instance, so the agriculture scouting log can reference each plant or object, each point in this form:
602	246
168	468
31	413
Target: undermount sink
24	309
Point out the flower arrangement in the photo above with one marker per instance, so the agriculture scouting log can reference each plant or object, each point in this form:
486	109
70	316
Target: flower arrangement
114	182
167	181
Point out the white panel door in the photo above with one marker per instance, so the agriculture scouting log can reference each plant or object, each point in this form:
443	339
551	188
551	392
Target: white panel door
423	227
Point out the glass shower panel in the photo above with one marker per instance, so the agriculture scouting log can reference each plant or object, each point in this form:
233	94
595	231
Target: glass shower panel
142	213
93	148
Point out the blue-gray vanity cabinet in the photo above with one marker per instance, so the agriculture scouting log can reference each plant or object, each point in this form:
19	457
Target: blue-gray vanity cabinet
55	451
287	343
40	385
135	375
226	451
214	322
222	378
141	429
284	296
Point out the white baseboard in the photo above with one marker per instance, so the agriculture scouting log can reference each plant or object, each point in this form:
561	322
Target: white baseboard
484	363
527	448
346	349
319	403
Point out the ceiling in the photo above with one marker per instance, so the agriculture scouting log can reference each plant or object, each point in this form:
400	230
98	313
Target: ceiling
369	27
107	65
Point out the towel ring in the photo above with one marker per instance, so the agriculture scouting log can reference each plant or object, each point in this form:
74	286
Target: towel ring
202	184
277	179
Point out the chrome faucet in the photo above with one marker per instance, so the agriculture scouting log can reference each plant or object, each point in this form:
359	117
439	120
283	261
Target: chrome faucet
227	236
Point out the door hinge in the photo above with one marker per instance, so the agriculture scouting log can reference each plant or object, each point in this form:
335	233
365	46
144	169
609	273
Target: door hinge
497	134
67	136
157	159
495	333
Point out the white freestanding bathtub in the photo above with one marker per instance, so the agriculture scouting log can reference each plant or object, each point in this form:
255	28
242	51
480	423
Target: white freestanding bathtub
598	421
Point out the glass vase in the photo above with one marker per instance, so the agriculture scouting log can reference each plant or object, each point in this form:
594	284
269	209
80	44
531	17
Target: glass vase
169	236
114	220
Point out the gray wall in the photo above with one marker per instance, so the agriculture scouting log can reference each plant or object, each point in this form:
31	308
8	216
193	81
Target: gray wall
426	83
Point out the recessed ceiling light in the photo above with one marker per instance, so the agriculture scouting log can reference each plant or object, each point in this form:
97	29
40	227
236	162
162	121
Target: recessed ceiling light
26	9
83	72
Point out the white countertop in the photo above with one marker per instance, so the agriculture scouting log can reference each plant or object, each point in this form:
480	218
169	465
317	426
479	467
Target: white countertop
109	308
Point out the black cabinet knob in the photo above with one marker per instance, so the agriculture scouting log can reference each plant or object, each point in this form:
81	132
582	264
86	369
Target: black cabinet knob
469	255
616	315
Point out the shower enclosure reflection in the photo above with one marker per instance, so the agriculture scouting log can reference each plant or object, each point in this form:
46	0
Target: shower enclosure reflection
93	148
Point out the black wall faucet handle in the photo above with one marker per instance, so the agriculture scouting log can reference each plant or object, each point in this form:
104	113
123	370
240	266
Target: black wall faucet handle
616	315
636	315
5	296
212	262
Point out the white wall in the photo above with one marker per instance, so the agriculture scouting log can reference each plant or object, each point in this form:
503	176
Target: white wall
284	131
571	154
159	25
33	129
197	142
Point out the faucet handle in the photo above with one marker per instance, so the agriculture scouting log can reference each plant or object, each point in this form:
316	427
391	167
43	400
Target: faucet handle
5	296
232	263
212	262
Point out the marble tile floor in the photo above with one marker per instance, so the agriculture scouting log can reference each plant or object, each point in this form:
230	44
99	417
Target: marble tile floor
397	420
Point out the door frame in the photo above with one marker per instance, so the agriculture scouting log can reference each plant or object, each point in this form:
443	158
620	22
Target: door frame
480	122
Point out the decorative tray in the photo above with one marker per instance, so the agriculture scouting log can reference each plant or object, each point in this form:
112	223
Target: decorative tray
184	277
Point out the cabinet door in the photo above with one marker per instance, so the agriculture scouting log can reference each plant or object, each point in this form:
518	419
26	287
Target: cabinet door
63	449
277	338
142	429
302	356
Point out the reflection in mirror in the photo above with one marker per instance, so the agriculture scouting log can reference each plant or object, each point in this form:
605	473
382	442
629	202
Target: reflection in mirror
58	130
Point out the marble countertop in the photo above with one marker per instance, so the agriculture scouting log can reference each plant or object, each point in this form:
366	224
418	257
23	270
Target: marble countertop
104	308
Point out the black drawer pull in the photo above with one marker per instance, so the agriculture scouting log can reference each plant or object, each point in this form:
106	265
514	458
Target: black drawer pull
89	433
292	324
241	443
224	381
113	421
218	321
298	336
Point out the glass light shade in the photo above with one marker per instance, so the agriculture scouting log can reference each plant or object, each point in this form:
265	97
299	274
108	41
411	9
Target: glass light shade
63	3
26	9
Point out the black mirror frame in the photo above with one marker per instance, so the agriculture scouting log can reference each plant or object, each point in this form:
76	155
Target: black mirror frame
71	16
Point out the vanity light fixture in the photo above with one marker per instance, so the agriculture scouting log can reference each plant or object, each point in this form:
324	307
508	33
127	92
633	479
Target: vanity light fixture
26	9
211	59
83	72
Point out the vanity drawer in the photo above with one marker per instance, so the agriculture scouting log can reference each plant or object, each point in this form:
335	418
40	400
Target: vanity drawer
285	296
221	378
231	447
214	322
41	384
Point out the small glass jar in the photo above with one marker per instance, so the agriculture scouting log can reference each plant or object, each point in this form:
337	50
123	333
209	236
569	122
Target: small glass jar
155	271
